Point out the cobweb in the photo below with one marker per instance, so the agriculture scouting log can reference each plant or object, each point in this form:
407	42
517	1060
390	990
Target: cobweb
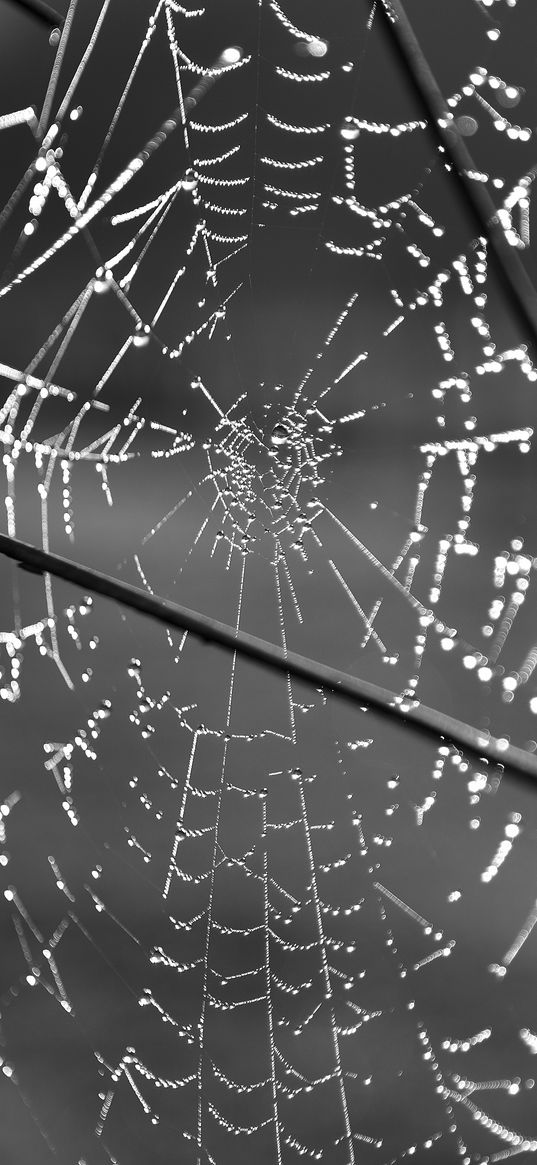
254	361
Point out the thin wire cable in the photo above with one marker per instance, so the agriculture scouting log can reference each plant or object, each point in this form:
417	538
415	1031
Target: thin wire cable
427	720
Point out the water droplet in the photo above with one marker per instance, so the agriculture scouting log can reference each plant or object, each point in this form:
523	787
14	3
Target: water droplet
103	280
141	336
497	970
349	131
231	55
508	96
279	435
189	181
316	48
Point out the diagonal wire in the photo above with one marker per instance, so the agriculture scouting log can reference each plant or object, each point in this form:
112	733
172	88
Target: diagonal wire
426	720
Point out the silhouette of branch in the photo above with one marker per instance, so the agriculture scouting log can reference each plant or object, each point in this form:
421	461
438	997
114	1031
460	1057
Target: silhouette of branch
426	720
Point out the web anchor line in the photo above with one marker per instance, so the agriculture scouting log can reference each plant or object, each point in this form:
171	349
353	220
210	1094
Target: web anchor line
427	720
519	293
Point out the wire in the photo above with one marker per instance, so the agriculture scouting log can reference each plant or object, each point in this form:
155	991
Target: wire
418	716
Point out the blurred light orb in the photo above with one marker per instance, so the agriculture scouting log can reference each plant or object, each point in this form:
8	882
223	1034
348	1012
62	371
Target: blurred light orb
314	47
467	126
231	55
508	96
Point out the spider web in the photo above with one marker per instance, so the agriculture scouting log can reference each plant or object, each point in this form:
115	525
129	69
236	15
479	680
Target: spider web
253	361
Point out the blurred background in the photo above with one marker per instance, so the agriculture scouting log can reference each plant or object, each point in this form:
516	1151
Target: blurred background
271	377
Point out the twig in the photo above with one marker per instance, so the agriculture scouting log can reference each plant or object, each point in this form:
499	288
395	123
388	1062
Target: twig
427	720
